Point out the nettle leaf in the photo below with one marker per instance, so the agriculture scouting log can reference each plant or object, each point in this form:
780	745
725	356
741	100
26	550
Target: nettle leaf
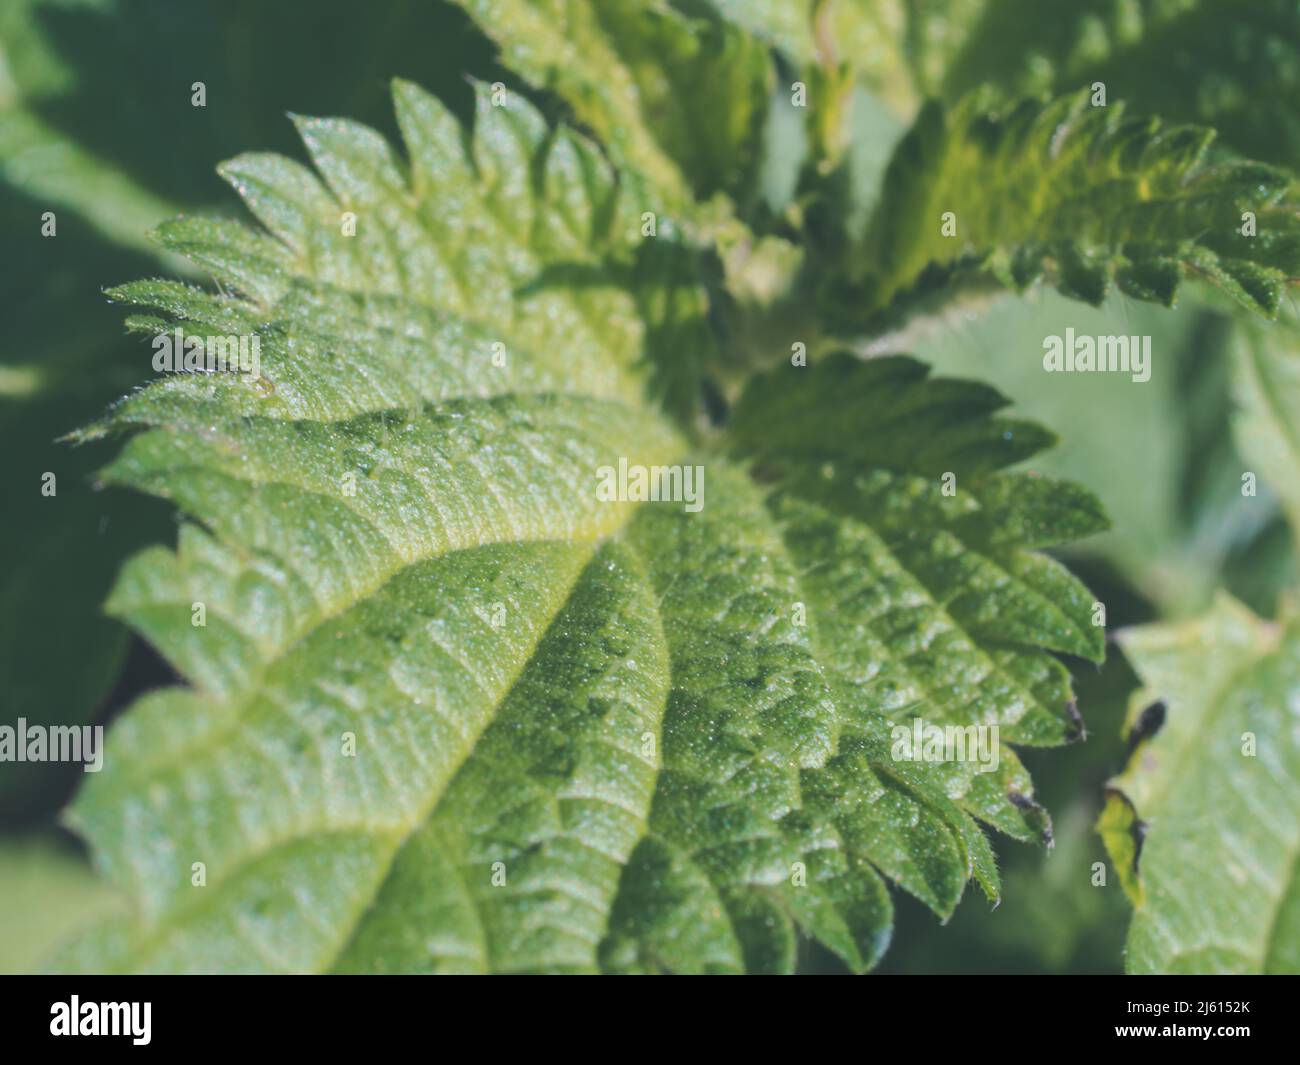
896	483
99	174
1204	823
452	709
1232	66
1084	196
527	231
678	101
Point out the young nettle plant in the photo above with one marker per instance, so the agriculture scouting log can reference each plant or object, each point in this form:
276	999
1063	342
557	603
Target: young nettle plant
466	697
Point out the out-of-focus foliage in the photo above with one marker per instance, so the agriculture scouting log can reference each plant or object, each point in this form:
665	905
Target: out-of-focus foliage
49	894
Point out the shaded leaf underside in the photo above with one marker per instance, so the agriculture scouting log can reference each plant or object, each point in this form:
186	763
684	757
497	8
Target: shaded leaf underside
587	735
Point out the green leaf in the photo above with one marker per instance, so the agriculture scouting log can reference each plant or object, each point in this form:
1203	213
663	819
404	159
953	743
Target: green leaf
680	101
1159	454
43	161
450	708
39	162
1267	389
1232	66
1204	822
566	277
62	60
1086	196
65	539
49	893
101	174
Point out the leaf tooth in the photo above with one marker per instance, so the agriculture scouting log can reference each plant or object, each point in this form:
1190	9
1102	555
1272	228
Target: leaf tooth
285	196
356	162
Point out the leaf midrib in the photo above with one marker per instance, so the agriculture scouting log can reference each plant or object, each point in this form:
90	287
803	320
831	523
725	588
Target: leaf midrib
233	720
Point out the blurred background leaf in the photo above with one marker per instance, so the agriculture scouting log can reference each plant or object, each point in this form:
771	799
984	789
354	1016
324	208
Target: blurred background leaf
49	893
1160	454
